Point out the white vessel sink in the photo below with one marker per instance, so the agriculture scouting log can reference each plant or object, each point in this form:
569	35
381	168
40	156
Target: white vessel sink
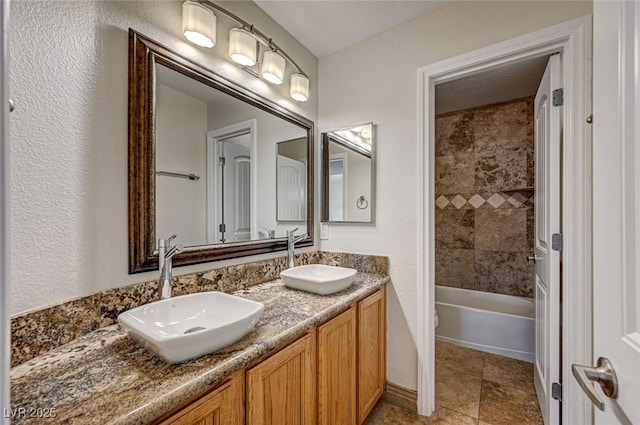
182	328
318	278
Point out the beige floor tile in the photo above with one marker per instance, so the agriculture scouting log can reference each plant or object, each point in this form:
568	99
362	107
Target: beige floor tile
400	416
508	372
502	405
387	414
444	416
462	359
458	391
471	385
378	414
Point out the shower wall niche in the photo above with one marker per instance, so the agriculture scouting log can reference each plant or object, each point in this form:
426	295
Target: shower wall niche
484	178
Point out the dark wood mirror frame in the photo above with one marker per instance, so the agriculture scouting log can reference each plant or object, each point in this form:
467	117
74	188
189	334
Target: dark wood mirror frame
144	53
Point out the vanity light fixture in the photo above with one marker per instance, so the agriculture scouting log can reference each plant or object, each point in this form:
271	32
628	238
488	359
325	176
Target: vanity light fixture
245	44
273	66
366	132
198	24
299	87
242	47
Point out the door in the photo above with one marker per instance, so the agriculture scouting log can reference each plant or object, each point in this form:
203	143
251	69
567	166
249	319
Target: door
337	370
234	219
547	133
337	187
282	389
616	208
292	189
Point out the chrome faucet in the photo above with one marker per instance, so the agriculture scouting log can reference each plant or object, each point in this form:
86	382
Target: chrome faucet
165	255
291	242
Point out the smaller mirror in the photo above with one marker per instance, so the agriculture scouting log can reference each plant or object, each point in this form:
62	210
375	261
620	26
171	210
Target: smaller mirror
348	168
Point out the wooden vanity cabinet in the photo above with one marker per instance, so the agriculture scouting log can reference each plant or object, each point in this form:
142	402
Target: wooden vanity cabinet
333	375
371	351
223	406
352	362
281	390
337	370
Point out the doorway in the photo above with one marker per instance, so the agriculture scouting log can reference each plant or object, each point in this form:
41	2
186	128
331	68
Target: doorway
497	186
231	183
571	41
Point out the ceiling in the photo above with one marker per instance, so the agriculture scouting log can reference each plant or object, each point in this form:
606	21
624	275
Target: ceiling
324	27
501	84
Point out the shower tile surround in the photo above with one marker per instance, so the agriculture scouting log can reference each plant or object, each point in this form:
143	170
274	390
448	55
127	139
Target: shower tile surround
37	332
484	220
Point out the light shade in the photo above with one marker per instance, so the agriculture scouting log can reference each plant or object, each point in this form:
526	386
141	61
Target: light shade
273	66
242	47
366	132
299	87
198	24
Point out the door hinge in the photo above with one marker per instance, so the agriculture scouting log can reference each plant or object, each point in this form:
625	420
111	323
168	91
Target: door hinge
556	391
222	228
558	97
222	161
556	241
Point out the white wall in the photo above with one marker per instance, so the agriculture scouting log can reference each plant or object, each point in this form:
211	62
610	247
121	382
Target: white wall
376	80
68	76
181	147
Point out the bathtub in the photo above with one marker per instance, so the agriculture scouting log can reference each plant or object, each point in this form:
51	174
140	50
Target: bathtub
494	323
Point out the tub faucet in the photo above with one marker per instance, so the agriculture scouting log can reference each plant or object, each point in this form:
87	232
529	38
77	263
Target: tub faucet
291	242
165	256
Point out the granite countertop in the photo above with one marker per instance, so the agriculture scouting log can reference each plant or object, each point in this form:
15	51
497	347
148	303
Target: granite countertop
106	378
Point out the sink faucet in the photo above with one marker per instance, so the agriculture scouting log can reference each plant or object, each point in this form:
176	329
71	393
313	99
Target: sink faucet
165	255
291	242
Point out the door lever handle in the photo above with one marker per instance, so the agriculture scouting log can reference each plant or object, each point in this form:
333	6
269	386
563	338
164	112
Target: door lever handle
603	373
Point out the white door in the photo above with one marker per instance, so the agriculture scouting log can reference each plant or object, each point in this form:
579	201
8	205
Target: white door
616	207
547	222
337	187
241	208
292	189
234	217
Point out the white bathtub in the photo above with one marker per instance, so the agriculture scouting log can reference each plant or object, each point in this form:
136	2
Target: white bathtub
494	323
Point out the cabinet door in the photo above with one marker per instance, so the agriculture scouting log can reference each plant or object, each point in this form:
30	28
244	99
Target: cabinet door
371	352
223	406
282	389
337	370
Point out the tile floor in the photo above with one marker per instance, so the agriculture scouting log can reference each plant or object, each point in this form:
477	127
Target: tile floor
473	388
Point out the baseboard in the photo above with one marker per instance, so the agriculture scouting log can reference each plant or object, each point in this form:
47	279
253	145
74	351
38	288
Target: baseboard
402	397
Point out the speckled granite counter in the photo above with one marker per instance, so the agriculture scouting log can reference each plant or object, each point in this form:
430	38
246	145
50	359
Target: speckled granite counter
106	378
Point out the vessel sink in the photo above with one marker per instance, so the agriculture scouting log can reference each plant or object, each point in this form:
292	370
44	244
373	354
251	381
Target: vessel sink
185	327
318	278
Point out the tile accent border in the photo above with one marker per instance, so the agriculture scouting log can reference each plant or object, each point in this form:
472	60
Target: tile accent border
39	331
519	198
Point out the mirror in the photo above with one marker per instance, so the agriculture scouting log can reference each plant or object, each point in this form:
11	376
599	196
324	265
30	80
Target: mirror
348	169
205	160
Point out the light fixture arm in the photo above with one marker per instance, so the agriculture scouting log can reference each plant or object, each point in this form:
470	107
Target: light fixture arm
259	35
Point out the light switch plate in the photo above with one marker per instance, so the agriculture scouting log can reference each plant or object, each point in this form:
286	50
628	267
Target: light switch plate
324	231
